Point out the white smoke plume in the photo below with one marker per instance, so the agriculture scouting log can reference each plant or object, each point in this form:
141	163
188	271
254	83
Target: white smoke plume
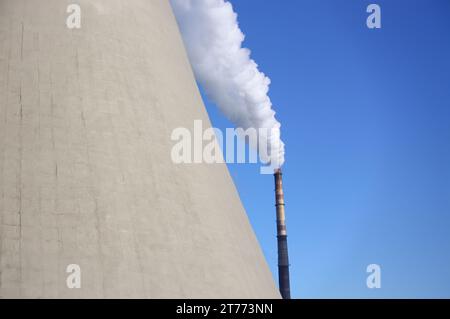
225	70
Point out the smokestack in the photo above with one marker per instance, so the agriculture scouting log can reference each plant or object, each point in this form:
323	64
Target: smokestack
283	257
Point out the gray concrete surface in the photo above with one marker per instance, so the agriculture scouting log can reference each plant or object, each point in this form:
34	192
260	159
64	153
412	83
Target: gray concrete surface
85	170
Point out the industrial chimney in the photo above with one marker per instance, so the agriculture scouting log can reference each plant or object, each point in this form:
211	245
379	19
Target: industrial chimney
283	257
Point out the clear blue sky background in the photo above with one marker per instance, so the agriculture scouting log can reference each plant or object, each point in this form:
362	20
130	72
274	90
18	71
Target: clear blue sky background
366	121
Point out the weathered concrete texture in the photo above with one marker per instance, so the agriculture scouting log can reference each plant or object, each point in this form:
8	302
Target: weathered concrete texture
85	170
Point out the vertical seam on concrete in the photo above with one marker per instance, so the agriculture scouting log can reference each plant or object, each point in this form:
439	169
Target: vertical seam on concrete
21	45
92	188
20	162
4	149
38	66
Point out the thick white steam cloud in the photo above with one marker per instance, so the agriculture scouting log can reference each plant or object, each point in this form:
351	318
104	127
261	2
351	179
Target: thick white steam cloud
227	73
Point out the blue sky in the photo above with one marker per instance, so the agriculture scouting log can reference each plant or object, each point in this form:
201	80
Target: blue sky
366	122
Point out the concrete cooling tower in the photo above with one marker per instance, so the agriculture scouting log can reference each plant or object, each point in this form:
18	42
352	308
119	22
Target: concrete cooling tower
86	176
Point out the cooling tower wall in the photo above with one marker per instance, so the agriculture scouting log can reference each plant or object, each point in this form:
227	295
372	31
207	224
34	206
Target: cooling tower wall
86	176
